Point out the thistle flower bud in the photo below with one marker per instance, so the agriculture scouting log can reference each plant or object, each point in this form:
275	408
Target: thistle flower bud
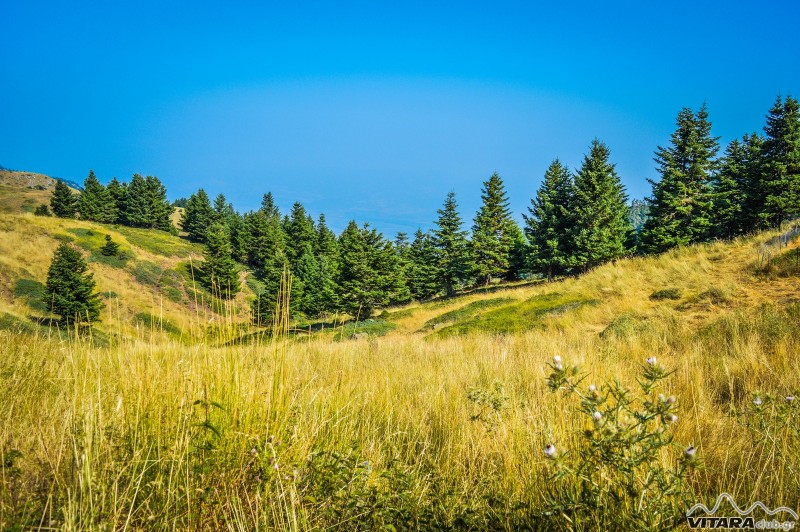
556	359
690	452
757	401
651	361
671	399
550	451
559	367
673	418
597	416
661	398
592	388
790	398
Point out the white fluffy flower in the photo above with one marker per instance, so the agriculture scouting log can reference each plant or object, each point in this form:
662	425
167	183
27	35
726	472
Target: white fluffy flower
550	451
651	361
690	452
757	401
557	359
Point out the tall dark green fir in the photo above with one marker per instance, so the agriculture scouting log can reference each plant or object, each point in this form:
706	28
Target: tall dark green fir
452	247
69	290
600	211
63	202
549	224
492	232
780	175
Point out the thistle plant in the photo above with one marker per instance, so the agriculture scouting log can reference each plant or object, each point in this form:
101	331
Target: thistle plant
622	470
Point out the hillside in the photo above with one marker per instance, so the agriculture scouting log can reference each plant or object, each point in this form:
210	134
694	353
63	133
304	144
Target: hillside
433	416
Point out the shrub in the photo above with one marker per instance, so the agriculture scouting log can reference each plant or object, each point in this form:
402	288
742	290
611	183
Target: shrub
666	293
615	477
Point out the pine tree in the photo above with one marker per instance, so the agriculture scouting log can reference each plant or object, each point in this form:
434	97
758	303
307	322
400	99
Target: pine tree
42	210
197	217
300	233
70	289
422	272
492	232
145	204
452	247
117	193
737	193
110	248
63	202
95	202
549	226
369	275
219	272
223	211
780	176
680	208
600	211
518	258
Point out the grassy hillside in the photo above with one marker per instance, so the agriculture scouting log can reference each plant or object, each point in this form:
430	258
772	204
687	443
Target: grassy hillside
434	415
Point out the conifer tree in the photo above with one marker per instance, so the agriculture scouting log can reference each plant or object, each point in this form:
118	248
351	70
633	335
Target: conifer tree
780	175
300	233
42	210
110	248
549	226
198	216
117	193
680	208
145	204
518	258
240	237
492	232
422	272
70	289
737	194
369	275
218	271
223	211
63	202
600	211
95	202
452	247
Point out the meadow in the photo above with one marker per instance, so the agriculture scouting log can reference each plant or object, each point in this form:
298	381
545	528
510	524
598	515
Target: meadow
439	416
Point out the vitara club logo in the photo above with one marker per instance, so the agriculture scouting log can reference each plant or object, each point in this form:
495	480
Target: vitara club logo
699	517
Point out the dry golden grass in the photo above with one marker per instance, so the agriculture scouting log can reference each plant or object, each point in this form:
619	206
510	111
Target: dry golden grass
149	432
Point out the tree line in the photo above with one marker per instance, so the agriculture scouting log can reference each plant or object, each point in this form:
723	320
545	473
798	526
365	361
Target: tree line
576	221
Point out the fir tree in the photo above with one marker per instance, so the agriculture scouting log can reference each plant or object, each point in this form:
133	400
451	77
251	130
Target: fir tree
600	211
219	272
549	226
452	247
737	195
751	164
70	289
110	248
492	232
223	211
780	175
63	202
95	202
197	217
422	272
369	274
42	210
145	204
518	258
300	233
117	193
680	208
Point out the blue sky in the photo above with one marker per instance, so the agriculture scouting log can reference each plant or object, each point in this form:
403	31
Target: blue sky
371	111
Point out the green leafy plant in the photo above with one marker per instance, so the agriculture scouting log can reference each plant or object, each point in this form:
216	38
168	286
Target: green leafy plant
622	470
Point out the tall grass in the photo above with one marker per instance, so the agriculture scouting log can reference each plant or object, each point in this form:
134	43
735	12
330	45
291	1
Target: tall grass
154	431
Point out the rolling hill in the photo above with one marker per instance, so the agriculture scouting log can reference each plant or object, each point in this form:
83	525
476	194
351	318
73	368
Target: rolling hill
434	415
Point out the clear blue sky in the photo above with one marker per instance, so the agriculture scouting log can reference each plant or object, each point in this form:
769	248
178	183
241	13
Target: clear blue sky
374	111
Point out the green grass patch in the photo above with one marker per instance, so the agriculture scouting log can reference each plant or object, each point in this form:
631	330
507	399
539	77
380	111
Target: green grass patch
154	323
467	311
363	329
625	325
517	317
159	242
9	322
92	241
666	293
786	264
33	291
